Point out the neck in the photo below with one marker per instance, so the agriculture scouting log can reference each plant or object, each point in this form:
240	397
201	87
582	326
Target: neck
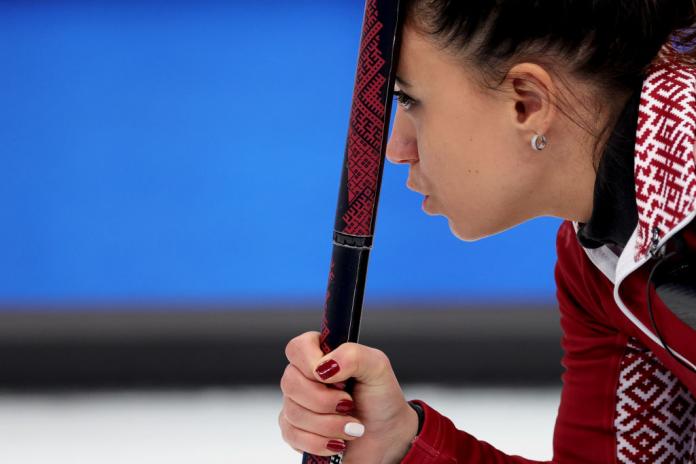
574	161
571	177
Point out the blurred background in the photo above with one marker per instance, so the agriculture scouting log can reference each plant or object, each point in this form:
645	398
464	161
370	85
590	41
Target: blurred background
156	157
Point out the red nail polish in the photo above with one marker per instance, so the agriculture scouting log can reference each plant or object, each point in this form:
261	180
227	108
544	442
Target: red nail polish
336	446
345	406
338	385
328	369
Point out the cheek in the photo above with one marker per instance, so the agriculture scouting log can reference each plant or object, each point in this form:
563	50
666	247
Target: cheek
457	162
474	181
487	204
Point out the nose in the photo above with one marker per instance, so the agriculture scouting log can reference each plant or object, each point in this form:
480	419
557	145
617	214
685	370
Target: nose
403	146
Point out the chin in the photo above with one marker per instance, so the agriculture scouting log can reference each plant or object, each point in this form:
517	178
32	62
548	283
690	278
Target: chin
465	234
470	232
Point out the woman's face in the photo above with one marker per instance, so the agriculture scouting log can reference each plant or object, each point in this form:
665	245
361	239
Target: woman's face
465	146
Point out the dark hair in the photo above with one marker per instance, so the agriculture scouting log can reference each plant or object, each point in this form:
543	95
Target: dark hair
611	41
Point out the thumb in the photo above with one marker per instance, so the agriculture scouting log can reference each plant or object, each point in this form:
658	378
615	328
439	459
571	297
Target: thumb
367	365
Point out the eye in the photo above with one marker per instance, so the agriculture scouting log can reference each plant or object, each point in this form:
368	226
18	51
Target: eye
404	100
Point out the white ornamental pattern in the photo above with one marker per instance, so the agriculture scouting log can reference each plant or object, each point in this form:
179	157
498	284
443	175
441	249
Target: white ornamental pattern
655	413
665	171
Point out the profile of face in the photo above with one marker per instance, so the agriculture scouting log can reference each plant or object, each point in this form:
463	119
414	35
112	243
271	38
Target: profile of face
468	147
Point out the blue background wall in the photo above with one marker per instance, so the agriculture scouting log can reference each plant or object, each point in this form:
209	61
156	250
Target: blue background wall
160	151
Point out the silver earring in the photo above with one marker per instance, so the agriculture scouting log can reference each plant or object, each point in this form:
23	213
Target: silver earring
539	142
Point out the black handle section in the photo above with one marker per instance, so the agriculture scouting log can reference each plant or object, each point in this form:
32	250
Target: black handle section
342	311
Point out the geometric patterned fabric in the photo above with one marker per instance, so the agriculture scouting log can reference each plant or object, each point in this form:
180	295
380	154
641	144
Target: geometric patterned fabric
665	170
655	414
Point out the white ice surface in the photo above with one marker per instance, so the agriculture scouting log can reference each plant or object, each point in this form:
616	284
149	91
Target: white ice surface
232	426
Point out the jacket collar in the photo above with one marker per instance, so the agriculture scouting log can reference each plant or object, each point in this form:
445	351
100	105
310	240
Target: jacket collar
664	174
665	170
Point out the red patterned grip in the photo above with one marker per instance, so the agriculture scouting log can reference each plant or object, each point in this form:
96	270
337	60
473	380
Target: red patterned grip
369	119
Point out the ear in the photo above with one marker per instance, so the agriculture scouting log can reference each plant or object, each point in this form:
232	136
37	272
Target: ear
533	95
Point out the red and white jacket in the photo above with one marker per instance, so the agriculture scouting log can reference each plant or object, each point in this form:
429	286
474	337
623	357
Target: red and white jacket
625	399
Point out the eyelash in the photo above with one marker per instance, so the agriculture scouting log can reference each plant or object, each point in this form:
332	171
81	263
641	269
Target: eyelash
404	100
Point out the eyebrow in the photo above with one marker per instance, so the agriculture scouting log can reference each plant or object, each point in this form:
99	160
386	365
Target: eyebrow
401	82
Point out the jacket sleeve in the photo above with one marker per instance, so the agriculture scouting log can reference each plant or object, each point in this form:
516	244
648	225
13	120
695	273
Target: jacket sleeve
439	442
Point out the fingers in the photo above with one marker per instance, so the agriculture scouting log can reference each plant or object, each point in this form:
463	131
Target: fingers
326	425
368	366
312	443
303	352
313	395
316	417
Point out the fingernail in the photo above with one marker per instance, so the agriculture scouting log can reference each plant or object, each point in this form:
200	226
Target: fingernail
354	429
335	445
345	406
328	369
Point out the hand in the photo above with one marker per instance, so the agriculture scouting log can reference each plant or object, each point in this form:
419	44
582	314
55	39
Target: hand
373	426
